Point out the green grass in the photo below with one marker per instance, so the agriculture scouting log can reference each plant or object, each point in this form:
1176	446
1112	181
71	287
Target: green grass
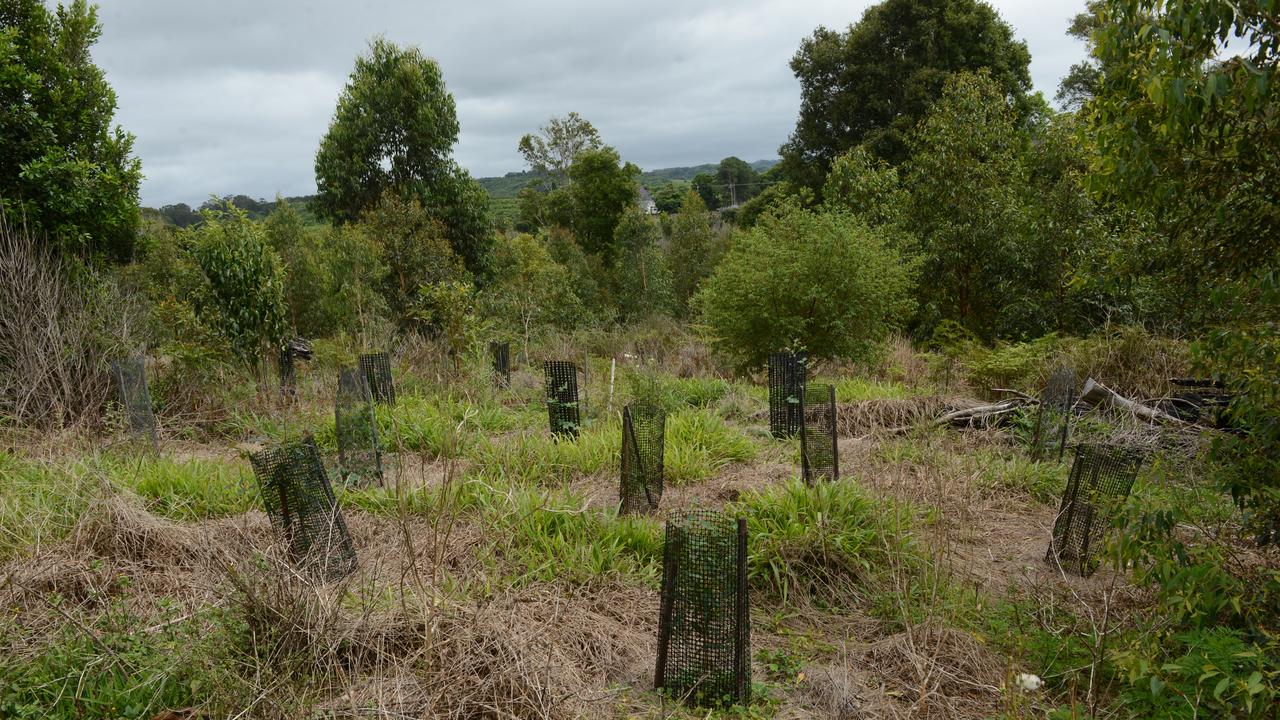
699	444
535	457
189	489
38	503
859	389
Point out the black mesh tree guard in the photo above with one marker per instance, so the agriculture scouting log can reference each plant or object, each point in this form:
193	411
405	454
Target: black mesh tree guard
1100	480
704	628
1053	419
819	452
135	397
786	390
501	362
304	513
643	435
562	397
376	368
288	374
355	423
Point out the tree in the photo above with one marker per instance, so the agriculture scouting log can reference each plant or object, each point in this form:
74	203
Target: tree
708	189
965	179
641	276
1083	78
242	293
871	84
863	184
738	181
553	149
669	197
692	249
62	166
529	287
415	250
603	189
820	282
394	130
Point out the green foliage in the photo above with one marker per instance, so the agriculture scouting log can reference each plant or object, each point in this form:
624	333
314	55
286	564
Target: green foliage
603	190
642	277
193	489
871	84
62	167
1211	672
529	289
557	144
820	542
445	308
862	184
37	503
692	249
393	131
964	177
241	296
699	444
416	251
824	283
137	672
737	181
1187	125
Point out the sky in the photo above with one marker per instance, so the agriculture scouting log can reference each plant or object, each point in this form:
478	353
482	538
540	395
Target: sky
233	97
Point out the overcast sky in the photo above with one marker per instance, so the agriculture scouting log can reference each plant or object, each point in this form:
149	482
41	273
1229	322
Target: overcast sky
233	97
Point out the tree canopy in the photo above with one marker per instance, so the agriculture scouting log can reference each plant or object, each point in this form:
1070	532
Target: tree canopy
872	83
553	149
394	129
62	165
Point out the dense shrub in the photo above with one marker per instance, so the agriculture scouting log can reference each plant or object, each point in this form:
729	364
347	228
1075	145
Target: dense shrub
820	282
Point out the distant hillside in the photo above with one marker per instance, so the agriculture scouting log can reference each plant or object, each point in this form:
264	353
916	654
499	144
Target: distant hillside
510	184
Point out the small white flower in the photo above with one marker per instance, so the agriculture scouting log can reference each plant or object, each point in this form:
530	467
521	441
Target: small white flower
1029	682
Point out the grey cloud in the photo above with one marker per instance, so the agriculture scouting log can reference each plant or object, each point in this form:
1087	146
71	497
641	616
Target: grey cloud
234	97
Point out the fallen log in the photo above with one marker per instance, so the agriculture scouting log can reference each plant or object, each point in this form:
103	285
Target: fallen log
1095	393
983	415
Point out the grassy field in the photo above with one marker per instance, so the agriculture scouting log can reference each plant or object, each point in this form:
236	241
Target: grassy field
496	579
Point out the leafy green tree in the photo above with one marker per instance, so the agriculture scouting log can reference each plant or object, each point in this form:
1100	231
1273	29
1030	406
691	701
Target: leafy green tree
416	251
62	166
965	178
603	189
871	84
241	294
530	289
556	145
737	180
865	185
708	189
692	249
1083	79
669	197
821	282
642	278
394	130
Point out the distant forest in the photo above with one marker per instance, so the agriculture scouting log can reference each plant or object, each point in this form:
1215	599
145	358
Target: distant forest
499	188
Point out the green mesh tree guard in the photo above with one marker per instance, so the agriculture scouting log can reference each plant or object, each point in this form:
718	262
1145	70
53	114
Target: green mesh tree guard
786	388
288	374
704	628
643	434
501	353
304	513
376	368
1100	480
355	423
1053	419
819	451
562	397
135	397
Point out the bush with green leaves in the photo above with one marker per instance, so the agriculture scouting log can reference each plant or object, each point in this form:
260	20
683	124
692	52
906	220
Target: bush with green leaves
824	283
241	295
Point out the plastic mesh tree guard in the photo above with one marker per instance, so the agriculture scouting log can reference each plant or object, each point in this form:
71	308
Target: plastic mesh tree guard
304	513
562	397
786	390
704	628
1053	420
376	368
1101	477
819	453
501	353
355	423
135	397
288	374
643	435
